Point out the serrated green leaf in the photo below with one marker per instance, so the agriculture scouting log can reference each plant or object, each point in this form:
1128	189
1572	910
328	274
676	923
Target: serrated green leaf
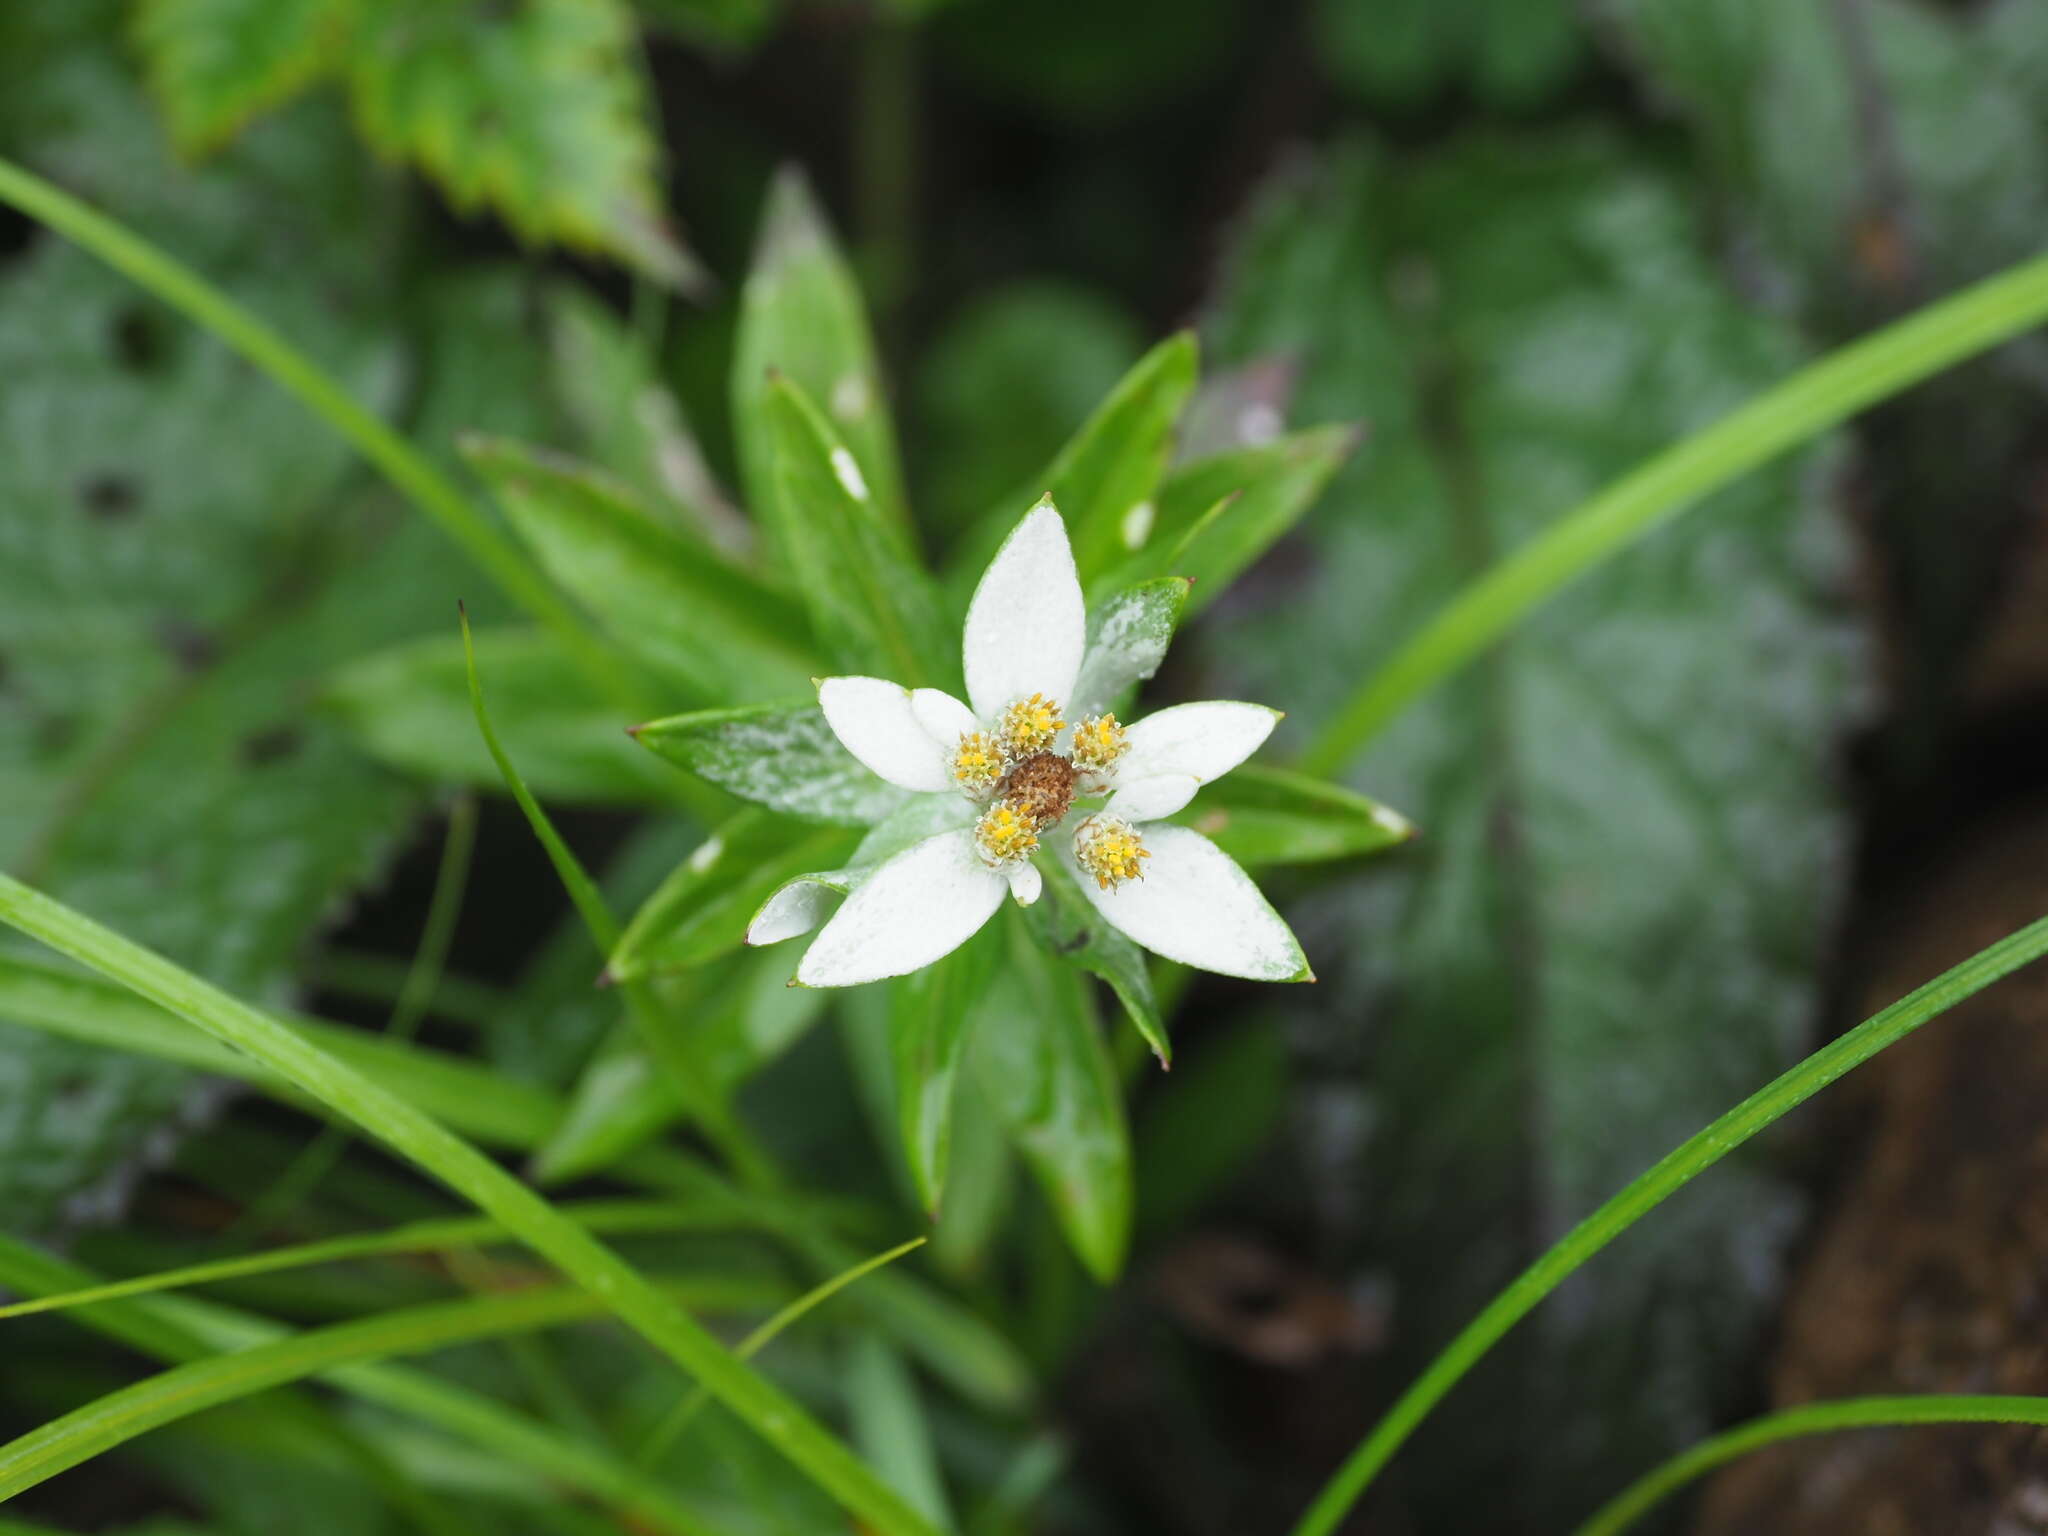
409	706
1128	635
801	316
536	110
782	756
930	1012
1218	515
1656	747
1040	1057
706	626
1262	815
1067	924
216	64
702	909
870	601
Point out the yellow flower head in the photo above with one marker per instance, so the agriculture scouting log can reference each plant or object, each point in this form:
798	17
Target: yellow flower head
1029	725
977	762
1110	849
1098	743
1006	833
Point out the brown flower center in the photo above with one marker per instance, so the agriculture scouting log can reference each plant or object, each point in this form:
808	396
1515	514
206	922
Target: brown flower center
1040	787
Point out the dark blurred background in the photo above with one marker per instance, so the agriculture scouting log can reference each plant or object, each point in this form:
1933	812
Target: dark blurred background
1743	786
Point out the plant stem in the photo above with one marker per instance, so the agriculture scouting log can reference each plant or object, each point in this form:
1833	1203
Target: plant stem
1808	1419
1810	402
764	1407
402	464
1649	1190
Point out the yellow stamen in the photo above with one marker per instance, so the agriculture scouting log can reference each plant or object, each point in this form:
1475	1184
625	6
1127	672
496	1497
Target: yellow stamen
977	763
1098	743
1029	726
1006	833
1110	849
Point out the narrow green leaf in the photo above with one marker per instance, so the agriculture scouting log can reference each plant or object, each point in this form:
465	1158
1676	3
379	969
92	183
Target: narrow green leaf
1105	479
1263	815
782	756
408	706
930	1012
215	65
890	1427
1040	1057
1128	633
709	628
764	1407
871	602
537	111
1066	922
1218	515
702	909
801	316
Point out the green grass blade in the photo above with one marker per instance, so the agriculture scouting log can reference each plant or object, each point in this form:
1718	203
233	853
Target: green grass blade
402	464
1641	1496
678	1418
1810	402
610	1216
755	1401
684	1073
186	1389
1649	1190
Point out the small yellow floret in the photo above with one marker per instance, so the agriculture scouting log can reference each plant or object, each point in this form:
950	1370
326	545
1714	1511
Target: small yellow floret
977	763
1098	743
1005	833
1029	725
1109	848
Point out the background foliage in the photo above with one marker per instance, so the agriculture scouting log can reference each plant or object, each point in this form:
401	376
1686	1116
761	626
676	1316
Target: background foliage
1449	268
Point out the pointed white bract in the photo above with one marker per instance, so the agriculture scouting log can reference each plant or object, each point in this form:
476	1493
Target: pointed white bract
1028	622
1015	777
919	907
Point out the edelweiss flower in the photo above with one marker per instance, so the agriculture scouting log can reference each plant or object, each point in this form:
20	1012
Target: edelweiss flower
1014	780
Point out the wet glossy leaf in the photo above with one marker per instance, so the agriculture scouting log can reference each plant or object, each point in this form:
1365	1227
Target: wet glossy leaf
1610	931
1261	815
1128	635
802	317
1103	480
930	1015
1039	1054
782	756
706	626
409	707
702	909
872	605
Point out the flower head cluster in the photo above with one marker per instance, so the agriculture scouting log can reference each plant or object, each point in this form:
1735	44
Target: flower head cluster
1033	768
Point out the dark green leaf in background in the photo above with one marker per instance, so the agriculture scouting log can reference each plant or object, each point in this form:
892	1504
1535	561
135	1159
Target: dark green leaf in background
1400	53
930	1015
1611	929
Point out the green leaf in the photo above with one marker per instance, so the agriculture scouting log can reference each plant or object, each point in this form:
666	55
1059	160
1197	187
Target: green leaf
631	423
537	111
705	625
594	1268
1631	807
930	1014
1128	634
1263	815
1104	479
712	23
702	909
890	1427
1066	922
801	316
1218	515
782	756
216	64
1040	1058
871	603
408	705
